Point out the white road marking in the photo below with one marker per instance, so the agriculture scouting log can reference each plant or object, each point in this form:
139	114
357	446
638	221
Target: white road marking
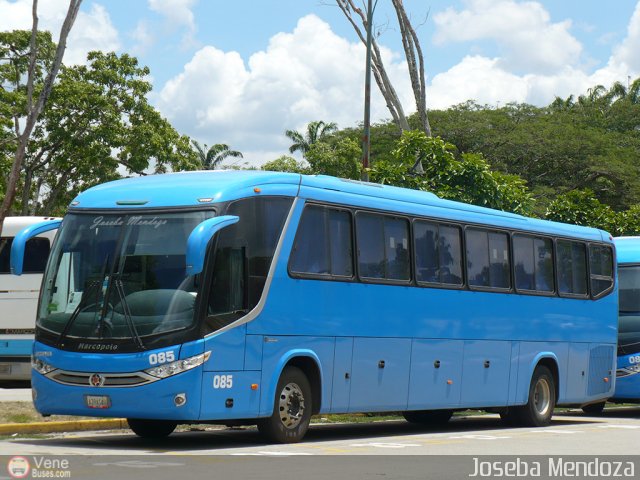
629	427
385	445
478	437
273	454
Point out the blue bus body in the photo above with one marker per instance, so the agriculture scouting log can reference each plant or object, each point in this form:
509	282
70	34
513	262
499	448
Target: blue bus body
628	368
364	343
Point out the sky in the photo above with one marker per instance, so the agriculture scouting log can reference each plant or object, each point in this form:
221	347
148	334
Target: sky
242	72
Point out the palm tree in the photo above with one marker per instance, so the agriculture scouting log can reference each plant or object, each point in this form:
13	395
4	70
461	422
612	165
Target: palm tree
212	157
316	131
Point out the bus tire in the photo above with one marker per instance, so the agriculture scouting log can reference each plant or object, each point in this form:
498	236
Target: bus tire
151	428
291	410
594	408
428	417
538	410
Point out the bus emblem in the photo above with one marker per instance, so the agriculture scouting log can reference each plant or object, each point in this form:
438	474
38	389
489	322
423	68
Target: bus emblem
96	380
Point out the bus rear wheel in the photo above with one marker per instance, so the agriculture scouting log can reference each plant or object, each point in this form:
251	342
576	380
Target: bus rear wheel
538	410
151	428
594	408
428	417
292	408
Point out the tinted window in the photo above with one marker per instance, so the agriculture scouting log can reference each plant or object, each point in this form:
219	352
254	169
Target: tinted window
488	259
438	253
601	265
533	263
383	247
244	252
35	255
323	243
572	267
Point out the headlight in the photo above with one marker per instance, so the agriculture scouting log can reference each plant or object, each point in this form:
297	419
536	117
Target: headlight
179	366
41	367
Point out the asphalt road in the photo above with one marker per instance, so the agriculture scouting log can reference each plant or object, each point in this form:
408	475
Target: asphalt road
384	450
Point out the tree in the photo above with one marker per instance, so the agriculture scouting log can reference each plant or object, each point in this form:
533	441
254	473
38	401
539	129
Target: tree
340	159
466	178
415	62
316	131
286	163
97	126
210	158
33	109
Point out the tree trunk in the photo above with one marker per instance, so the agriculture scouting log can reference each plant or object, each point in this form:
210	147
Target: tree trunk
415	61
391	98
33	111
412	49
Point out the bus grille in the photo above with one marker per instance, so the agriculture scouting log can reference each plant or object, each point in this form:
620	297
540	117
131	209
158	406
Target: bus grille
600	367
132	379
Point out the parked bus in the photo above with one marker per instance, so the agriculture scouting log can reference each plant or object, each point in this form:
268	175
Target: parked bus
263	298
19	298
627	378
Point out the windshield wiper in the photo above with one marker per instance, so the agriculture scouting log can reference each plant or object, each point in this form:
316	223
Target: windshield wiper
84	301
127	313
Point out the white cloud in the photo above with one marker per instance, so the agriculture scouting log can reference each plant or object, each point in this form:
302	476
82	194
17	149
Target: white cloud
308	74
499	80
625	56
178	13
523	31
92	30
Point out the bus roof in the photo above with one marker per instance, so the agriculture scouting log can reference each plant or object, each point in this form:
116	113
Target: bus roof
627	249
199	188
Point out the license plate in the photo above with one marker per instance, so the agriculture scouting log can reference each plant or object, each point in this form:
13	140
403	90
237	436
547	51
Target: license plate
97	401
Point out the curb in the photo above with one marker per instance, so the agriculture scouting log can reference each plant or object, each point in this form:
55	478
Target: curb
71	426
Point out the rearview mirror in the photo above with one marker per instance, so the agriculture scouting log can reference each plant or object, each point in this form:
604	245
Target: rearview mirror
199	239
20	241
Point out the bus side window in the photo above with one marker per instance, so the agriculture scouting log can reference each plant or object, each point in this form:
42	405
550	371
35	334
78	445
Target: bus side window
488	259
438	253
311	250
572	268
601	267
35	255
383	247
533	263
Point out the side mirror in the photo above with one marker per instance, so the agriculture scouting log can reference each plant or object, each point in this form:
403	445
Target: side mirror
199	238
20	241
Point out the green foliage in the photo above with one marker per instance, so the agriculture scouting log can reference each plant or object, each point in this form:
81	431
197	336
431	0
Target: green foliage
212	158
467	178
593	143
581	207
97	125
341	159
286	163
316	132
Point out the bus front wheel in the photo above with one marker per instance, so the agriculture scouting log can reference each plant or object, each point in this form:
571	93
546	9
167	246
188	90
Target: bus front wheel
292	408
151	428
538	410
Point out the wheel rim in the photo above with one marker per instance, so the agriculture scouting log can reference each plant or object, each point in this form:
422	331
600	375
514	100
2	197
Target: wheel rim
542	397
291	405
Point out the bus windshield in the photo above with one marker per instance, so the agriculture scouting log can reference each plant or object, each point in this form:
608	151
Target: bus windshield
120	276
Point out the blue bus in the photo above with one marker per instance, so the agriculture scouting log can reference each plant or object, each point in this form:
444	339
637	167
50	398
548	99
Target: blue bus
627	378
264	298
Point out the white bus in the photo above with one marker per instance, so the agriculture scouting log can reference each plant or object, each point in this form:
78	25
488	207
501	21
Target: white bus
19	297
